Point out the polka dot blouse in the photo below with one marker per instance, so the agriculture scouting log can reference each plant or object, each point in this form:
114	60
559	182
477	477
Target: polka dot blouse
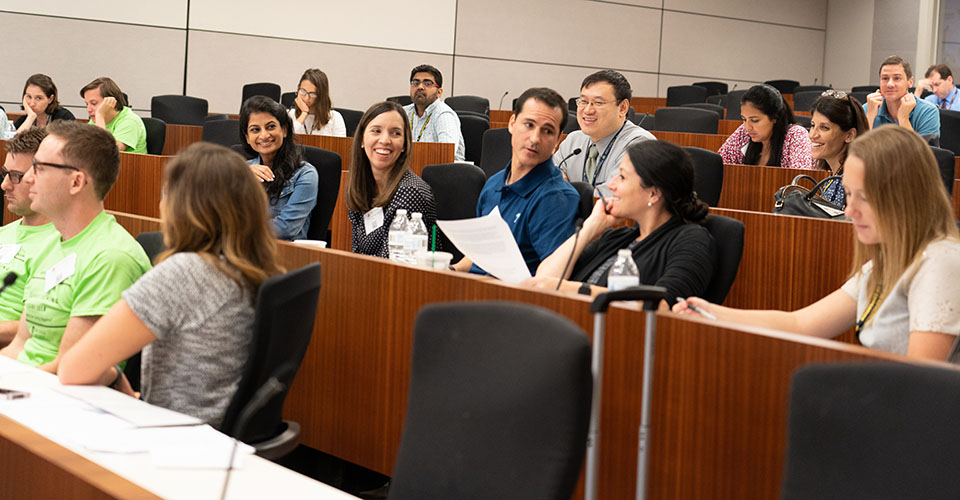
412	194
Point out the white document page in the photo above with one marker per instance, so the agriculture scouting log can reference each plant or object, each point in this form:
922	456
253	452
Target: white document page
137	412
488	242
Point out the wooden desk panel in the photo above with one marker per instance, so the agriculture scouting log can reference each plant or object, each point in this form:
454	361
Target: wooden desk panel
648	104
180	136
749	187
138	187
956	198
424	153
340	228
500	115
728	127
710	142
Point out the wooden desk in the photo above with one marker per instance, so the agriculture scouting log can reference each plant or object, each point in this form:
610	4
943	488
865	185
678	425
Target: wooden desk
180	136
500	115
710	142
749	187
728	127
648	105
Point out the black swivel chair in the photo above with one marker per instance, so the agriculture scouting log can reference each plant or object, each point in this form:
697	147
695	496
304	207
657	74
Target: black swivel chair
472	103
179	109
271	90
727	235
156	134
152	243
690	120
402	100
873	431
803	101
719	100
456	188
498	407
685	94
865	88
288	99
709	174
861	96
784	86
572	124
223	132
946	163
950	130
732	104
351	118
328	165
713	88
215	116
497	150
809	88
585	190
716	108
571	104
803	121
472	127
283	324
645	121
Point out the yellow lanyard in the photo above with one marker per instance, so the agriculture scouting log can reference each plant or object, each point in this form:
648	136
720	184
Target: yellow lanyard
424	127
874	301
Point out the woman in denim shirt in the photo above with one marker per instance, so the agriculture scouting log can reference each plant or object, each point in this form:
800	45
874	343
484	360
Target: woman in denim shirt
291	182
837	119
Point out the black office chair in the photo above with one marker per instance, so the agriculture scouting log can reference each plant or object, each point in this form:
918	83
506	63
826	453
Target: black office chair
585	190
690	120
215	116
808	88
351	118
152	244
497	150
784	86
571	104
271	90
499	404
708	181
727	235
156	134
865	88
329	166
685	94
288	99
244	151
861	97
283	324
631	115
473	103
572	123
645	121
402	100
873	431
456	188
950	130
713	88
223	132
803	121
732	103
946	163
472	127
803	101
719	100
716	108
179	109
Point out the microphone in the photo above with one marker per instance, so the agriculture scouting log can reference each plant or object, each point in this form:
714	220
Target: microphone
578	225
573	153
8	280
500	106
734	87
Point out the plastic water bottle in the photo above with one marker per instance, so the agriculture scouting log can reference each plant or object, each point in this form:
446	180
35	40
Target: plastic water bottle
418	236
397	236
623	273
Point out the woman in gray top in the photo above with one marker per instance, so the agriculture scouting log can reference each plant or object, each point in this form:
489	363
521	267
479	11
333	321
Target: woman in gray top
192	315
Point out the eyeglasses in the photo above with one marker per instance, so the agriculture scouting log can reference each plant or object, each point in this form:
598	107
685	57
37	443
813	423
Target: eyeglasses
36	164
304	93
15	177
582	103
427	84
836	94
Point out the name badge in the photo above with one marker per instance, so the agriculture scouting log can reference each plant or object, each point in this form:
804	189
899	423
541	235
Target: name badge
8	252
60	271
373	219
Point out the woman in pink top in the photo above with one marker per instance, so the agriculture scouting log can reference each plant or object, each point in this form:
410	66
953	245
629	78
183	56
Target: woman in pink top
769	135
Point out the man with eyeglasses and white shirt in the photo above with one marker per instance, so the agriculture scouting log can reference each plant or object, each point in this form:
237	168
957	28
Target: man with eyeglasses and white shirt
604	131
431	120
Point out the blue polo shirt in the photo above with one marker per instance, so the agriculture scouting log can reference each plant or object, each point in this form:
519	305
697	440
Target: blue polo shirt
925	119
539	209
951	100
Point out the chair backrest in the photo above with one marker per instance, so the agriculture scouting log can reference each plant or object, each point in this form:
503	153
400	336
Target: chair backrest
402	100
950	130
645	121
865	88
473	103
719	100
497	150
708	181
328	165
586	198
472	127
861	96
572	123
571	104
179	109
716	108
282	326
271	90
727	234
872	431
222	132
946	161
691	120
215	116
685	94
713	88
732	104
288	99
351	118
499	404
809	88
456	188
152	243
156	134
784	86
239	148
803	101
803	120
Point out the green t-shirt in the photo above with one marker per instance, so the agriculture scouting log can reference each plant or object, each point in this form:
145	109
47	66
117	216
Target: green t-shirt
128	128
87	274
21	249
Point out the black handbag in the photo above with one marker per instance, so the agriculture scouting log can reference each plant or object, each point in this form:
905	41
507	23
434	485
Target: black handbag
795	199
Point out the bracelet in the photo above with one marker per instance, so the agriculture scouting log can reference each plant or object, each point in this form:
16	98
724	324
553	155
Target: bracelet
584	289
116	381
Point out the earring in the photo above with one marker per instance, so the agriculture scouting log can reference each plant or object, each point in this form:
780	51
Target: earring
649	203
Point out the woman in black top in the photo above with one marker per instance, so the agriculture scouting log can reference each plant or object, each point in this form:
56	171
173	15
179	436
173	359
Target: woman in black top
654	188
40	104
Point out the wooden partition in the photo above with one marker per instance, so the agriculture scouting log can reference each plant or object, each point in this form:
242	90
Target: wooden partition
749	187
728	127
180	136
500	115
710	142
648	105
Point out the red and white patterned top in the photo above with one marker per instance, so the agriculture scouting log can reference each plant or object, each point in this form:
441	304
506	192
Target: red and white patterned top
795	154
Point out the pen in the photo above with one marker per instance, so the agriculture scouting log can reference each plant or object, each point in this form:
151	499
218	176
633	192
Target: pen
696	309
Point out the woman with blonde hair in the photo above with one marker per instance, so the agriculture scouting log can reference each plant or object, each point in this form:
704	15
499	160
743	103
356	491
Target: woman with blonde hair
313	111
903	295
193	313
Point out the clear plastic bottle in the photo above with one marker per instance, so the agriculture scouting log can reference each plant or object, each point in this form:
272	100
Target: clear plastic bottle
418	236
623	273
397	236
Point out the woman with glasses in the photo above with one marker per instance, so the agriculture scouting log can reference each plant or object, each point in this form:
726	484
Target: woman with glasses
837	119
313	111
903	295
40	104
769	135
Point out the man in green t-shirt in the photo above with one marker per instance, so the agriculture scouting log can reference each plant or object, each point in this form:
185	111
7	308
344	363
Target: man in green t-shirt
24	242
92	262
108	110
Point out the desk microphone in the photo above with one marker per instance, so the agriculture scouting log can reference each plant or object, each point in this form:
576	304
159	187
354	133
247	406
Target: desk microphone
577	225
8	280
575	152
500	106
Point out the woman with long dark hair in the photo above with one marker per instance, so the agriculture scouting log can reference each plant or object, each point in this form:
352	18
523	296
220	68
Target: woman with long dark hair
769	135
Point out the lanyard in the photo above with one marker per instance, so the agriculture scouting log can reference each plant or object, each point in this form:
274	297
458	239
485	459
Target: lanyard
946	105
602	158
874	301
424	127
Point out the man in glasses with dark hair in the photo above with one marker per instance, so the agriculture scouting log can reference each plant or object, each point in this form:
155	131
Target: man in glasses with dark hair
25	241
431	120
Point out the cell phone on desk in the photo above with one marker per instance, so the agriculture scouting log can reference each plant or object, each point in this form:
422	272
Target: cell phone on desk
12	394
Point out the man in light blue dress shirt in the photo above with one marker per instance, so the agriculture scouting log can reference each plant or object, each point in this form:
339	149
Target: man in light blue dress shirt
431	120
939	79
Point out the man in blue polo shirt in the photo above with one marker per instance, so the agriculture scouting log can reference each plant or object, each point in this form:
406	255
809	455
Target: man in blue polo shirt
893	103
939	79
537	204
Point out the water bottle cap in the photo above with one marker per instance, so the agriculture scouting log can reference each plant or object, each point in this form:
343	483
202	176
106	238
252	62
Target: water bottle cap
416	215
624	252
402	211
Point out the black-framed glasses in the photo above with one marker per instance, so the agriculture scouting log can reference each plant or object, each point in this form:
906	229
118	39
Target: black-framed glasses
427	84
36	163
15	177
304	93
836	94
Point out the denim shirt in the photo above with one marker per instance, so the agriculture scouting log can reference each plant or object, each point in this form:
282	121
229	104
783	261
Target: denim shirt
291	211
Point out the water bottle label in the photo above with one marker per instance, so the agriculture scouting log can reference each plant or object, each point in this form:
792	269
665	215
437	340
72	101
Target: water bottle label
615	283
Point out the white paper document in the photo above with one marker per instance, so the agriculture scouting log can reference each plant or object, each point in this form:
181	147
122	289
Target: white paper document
488	242
134	411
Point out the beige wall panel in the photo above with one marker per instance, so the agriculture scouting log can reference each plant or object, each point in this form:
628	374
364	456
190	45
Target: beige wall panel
740	50
220	65
378	23
168	13
670	81
640	3
848	40
573	32
145	62
491	78
808	13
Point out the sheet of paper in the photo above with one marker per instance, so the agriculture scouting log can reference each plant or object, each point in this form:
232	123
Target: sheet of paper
488	242
194	447
132	410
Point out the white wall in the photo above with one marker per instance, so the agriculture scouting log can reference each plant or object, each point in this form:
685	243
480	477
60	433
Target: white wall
849	42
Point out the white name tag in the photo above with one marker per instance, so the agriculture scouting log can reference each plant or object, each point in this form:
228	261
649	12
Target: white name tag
60	271
8	252
373	219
